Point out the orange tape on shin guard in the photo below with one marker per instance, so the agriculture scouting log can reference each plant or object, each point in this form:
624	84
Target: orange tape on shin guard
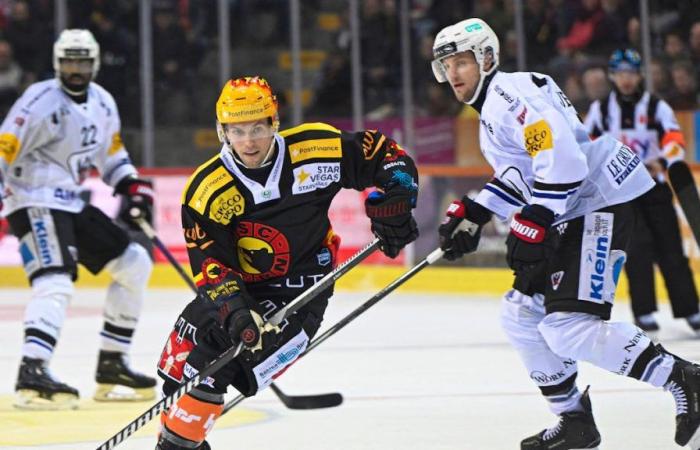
191	418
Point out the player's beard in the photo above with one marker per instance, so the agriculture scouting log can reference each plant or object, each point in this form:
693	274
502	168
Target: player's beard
75	84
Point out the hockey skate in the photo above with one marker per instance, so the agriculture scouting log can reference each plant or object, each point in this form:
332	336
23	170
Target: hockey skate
37	389
117	382
684	385
166	445
647	323
575	430
694	322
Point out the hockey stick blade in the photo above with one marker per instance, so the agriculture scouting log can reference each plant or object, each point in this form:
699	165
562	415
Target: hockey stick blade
317	401
227	356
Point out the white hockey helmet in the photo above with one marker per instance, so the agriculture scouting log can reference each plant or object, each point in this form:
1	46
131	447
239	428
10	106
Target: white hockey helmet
76	44
473	35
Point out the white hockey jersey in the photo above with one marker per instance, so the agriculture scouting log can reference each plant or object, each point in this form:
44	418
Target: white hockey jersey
646	126
542	154
49	144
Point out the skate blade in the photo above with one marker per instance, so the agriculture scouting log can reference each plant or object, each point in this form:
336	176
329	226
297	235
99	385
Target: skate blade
120	393
32	400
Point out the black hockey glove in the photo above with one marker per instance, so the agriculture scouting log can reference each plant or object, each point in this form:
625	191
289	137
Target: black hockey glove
138	195
456	241
241	322
392	221
530	243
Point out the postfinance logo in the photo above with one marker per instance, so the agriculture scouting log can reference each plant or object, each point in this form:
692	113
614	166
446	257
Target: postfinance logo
317	148
263	252
538	137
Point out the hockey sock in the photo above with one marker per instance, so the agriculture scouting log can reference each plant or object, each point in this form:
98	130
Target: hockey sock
563	397
652	366
115	339
45	313
188	421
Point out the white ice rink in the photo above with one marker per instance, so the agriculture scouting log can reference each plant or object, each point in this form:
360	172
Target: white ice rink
421	372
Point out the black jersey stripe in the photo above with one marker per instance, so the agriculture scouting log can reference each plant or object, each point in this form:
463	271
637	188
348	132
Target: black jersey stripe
555	187
198	176
504	187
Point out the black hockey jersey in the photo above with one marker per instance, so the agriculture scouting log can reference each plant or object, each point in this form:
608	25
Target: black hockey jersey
267	232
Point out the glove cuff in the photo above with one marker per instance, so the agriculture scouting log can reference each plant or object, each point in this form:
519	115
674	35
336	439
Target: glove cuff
540	215
475	212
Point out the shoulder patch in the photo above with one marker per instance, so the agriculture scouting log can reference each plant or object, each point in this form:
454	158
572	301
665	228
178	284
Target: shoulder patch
315	148
316	126
9	147
538	137
539	82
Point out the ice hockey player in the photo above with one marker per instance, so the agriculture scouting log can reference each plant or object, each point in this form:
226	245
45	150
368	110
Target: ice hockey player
255	220
55	133
567	238
647	125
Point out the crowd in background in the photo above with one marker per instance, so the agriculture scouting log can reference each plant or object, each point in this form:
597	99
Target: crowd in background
569	39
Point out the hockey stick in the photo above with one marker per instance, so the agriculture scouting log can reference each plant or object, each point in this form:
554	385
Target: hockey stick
687	194
430	259
227	356
316	401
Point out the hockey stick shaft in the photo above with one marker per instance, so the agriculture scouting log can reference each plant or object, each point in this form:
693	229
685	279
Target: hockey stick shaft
292	402
151	234
434	256
223	359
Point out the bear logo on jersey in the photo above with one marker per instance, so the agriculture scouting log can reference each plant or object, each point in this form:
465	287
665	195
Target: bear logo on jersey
263	252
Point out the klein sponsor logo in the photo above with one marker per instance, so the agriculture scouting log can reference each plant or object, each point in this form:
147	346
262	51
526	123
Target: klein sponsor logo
599	260
42	239
64	194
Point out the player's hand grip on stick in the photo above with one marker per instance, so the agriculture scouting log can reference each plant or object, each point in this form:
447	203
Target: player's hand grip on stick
226	357
460	232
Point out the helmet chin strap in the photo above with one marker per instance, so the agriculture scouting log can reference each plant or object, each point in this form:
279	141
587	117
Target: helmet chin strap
266	161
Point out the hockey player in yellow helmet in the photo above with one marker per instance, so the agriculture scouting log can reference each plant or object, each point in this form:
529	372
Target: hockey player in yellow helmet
247	119
255	220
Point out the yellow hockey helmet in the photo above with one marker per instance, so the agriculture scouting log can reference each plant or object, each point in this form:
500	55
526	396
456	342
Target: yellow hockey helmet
243	100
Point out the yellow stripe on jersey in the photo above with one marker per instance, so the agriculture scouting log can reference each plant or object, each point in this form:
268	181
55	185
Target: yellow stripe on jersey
316	148
210	184
116	145
194	175
315	126
9	147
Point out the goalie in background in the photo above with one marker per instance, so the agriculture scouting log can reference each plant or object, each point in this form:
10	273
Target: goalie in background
647	125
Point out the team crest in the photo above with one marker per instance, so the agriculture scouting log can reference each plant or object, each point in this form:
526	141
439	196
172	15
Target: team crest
263	252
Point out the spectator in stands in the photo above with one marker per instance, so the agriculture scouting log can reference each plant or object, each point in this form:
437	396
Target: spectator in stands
685	93
595	84
540	34
659	78
10	78
380	58
634	33
585	29
694	48
333	95
170	69
674	47
30	40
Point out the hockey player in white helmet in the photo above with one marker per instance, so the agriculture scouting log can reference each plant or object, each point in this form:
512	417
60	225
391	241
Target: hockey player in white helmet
55	133
571	219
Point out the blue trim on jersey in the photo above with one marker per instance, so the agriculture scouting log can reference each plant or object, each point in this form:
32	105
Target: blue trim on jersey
559	196
115	338
503	195
39	342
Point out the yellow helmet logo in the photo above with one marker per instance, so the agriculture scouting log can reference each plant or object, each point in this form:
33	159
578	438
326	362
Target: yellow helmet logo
246	99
